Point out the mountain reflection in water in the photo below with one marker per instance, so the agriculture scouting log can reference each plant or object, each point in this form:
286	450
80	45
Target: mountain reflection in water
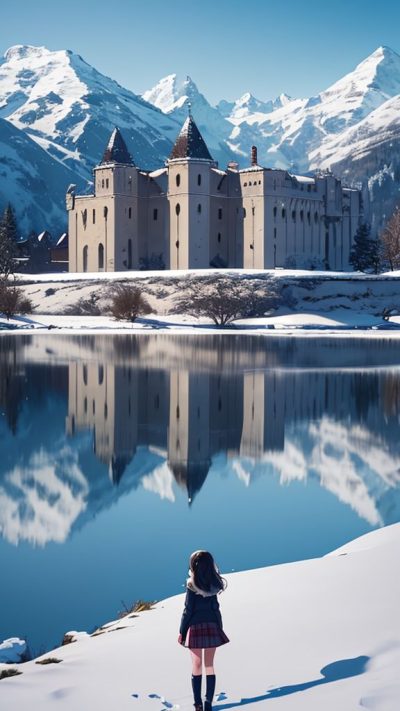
161	409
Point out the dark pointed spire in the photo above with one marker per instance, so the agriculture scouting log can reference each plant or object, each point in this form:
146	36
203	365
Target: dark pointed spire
116	151
190	142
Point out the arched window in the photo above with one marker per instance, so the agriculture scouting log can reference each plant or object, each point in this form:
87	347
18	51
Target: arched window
101	256
220	213
199	179
105	211
308	216
219	236
94	216
302	215
275	211
85	258
101	374
130	213
85	374
177	208
244	212
129	254
102	183
315	217
199	208
84	218
155	214
178	180
283	213
107	183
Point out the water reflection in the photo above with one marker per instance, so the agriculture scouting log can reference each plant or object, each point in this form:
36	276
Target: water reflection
160	412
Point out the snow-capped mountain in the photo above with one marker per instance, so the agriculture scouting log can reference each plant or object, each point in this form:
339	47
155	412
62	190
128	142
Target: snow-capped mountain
175	98
32	181
70	109
66	110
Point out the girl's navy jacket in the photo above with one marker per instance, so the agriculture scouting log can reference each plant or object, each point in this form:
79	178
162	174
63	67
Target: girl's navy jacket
199	608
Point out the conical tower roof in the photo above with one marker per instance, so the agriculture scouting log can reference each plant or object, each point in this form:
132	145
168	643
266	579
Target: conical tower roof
190	143
116	151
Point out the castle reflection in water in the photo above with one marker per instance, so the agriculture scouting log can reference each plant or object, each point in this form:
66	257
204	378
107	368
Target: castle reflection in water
191	398
190	401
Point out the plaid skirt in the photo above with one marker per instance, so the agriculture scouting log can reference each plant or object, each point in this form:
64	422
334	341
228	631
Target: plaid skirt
205	634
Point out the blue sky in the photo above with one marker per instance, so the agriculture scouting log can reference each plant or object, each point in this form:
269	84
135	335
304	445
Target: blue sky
227	47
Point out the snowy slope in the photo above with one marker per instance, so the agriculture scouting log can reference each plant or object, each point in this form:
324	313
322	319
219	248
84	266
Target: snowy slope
32	181
317	634
70	109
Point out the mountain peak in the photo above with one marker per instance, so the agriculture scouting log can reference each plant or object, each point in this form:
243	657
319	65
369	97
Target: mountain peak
24	51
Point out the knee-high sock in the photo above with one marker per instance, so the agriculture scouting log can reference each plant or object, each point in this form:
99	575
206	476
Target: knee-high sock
210	687
196	686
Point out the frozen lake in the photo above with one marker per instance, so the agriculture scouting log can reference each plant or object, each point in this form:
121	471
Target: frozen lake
120	455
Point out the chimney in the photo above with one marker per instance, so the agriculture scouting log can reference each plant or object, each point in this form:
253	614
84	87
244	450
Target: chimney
254	155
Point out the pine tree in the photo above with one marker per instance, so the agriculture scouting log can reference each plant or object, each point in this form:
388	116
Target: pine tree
8	242
364	253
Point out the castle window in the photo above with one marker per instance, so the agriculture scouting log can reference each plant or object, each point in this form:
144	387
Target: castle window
249	182
302	215
315	217
101	374
85	374
102	183
155	214
130	213
85	405
105	211
94	406
220	213
101	256
84	218
308	187
105	411
308	216
253	210
199	208
219	237
177	244
177	412
259	182
85	258
178	180
129	254
244	212
283	213
245	185
199	179
294	215
94	216
275	211
107	182
274	232
177	208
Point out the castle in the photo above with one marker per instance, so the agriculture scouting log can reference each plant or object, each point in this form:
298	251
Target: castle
189	214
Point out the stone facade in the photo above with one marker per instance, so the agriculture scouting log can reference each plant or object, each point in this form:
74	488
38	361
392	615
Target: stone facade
190	214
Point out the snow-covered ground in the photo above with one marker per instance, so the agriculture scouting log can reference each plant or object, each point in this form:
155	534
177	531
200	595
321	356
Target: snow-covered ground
315	635
317	302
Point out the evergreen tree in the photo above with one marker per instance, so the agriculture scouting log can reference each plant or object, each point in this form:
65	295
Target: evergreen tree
8	242
364	254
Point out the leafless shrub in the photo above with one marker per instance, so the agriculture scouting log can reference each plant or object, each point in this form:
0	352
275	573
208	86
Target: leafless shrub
13	300
136	607
225	300
84	307
49	660
390	241
127	302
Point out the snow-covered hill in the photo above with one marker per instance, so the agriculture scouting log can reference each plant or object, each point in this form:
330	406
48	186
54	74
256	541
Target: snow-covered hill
318	634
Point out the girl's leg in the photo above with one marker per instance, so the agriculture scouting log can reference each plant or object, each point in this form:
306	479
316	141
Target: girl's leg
196	675
210	676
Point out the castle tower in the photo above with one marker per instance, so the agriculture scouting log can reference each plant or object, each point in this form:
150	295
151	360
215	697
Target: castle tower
104	227
189	172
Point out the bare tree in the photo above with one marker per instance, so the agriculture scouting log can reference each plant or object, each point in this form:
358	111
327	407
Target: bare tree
390	241
225	300
128	302
12	300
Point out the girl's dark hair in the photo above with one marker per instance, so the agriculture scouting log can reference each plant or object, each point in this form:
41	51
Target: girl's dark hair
205	573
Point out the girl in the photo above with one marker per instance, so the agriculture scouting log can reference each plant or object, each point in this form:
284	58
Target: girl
201	623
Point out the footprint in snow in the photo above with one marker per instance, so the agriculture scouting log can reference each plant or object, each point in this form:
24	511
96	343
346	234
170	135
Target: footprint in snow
167	704
222	696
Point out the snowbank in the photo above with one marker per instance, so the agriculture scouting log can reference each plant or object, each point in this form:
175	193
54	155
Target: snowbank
321	634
